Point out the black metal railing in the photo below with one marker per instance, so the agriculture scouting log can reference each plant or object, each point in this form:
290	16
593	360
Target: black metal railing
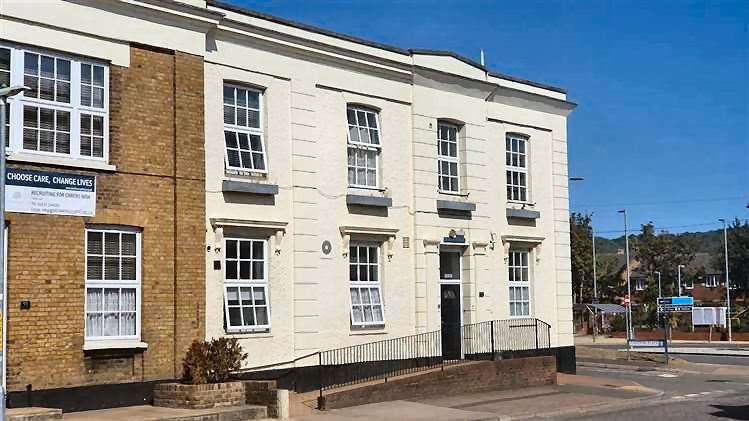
394	357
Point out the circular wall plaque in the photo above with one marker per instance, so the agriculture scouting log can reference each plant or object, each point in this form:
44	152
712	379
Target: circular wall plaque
326	247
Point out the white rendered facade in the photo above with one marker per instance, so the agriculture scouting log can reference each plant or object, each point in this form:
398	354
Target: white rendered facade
311	81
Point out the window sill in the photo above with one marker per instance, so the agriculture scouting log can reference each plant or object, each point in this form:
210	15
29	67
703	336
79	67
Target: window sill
249	334
94	345
367	330
453	193
60	161
367	189
244	175
516	203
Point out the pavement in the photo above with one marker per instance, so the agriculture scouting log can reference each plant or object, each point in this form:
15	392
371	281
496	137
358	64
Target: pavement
607	390
574	394
154	413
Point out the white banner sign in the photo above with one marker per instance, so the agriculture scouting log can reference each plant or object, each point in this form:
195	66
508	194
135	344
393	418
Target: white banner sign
709	316
50	193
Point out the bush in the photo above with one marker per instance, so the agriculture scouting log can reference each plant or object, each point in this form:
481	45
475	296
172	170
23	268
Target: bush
212	362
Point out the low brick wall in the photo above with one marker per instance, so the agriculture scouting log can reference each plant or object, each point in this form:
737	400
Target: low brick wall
677	335
262	392
199	396
465	378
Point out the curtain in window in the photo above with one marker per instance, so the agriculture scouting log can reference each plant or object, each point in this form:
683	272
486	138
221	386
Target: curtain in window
94	307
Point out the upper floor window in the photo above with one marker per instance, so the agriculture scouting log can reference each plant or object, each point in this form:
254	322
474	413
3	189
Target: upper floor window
365	289
447	157
246	284
516	160
363	146
689	283
113	261
711	281
64	112
243	132
519	282
640	284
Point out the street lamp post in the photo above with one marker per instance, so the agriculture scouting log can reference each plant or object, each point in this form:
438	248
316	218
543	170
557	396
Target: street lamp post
659	283
678	270
629	286
4	94
728	282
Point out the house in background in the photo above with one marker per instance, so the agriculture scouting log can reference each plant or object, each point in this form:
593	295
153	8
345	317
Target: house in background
707	284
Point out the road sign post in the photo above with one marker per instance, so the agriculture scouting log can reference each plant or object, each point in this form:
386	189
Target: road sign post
668	305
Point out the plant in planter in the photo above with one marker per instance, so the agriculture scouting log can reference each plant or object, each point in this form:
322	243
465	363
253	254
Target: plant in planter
212	362
206	377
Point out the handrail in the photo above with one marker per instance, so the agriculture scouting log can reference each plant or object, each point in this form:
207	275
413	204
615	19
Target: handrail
386	358
260	367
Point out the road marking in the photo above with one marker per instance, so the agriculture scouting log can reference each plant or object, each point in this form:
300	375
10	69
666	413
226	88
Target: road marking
668	375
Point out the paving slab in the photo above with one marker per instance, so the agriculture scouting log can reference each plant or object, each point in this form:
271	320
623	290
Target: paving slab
155	413
399	410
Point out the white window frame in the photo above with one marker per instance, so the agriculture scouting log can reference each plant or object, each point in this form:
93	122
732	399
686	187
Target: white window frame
513	282
511	169
121	284
689	283
16	104
353	146
254	131
245	283
712	281
368	285
448	158
640	284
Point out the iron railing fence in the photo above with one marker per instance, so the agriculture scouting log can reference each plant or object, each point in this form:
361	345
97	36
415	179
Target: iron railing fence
394	357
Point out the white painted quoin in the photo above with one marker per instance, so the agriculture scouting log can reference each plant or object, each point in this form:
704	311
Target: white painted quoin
346	120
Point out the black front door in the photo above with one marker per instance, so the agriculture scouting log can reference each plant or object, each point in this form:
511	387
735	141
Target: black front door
450	306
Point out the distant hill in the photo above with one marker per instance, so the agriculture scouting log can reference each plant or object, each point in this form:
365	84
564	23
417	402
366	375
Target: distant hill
704	242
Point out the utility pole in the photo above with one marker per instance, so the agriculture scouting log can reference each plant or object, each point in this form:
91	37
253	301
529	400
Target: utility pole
728	283
629	284
678	270
659	283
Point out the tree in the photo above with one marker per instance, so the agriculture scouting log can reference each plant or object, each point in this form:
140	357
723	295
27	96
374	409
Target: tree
581	245
738	255
662	253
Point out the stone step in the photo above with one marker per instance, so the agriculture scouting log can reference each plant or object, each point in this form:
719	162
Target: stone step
33	414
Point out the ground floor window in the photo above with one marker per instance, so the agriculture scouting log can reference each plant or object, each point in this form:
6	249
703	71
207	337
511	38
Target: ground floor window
519	282
246	284
112	304
365	286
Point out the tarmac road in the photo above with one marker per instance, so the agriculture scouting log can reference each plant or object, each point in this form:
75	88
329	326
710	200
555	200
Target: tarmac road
686	396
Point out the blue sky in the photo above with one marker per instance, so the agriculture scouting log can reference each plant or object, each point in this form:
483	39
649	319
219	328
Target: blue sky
662	126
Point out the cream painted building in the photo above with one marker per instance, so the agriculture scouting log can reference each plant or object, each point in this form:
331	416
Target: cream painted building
357	192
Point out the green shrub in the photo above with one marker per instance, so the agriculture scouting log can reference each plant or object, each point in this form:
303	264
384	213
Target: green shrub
213	361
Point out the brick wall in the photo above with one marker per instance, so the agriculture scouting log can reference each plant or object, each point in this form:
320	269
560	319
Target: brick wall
199	396
159	187
262	392
465	378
